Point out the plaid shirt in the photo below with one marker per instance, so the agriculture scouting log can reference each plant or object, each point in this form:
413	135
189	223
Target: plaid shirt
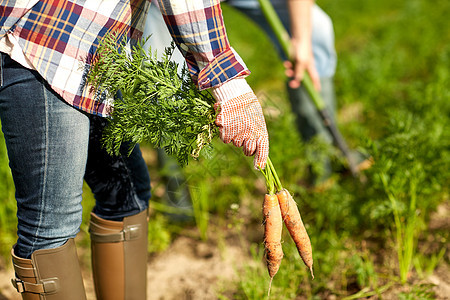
59	39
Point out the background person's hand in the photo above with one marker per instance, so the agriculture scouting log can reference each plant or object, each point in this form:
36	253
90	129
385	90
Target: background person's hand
241	120
302	61
301	56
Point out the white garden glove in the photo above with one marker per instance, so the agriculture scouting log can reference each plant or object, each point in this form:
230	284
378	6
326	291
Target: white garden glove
241	120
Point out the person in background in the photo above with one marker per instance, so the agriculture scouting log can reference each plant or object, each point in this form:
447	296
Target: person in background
312	39
52	120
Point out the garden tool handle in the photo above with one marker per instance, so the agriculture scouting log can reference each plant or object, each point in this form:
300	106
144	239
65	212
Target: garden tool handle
284	40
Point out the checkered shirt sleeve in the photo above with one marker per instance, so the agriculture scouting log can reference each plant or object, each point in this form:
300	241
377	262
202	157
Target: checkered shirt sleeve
198	30
60	37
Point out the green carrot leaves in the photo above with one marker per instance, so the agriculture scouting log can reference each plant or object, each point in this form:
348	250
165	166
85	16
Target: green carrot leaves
153	103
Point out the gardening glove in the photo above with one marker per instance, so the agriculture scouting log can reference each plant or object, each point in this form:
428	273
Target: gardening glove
241	120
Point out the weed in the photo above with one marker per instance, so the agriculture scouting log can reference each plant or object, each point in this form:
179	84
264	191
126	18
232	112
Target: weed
200	200
420	291
425	265
159	234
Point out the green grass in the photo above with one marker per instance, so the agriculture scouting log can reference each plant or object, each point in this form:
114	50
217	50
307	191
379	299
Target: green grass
8	222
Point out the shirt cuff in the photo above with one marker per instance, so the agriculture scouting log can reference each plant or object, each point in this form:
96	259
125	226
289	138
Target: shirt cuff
225	66
230	90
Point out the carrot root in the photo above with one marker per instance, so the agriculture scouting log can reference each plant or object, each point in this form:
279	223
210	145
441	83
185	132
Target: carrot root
270	286
294	224
273	225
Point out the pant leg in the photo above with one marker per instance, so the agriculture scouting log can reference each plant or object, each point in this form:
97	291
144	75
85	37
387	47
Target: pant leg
47	143
118	225
308	120
310	124
120	184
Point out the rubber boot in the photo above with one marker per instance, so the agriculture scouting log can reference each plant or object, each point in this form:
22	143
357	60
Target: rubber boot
119	257
50	274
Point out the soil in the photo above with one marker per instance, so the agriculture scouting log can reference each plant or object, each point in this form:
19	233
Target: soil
188	269
194	269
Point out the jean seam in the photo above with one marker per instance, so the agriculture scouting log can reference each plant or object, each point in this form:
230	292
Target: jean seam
1	69
132	185
44	179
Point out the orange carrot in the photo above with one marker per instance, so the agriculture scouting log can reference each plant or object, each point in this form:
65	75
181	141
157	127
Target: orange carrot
294	224
273	225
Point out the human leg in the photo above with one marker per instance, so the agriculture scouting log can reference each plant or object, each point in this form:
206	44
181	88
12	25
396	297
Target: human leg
308	121
47	143
119	257
50	274
120	184
118	225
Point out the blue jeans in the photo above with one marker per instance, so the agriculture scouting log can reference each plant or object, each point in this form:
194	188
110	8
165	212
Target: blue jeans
48	143
120	184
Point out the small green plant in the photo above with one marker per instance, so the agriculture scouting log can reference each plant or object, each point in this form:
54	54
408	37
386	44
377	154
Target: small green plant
403	172
405	227
159	234
252	282
426	264
200	203
420	291
364	270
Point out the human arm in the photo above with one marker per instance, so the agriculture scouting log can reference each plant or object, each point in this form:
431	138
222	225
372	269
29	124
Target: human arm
301	39
214	64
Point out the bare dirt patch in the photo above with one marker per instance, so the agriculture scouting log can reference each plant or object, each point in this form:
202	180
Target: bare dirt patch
190	269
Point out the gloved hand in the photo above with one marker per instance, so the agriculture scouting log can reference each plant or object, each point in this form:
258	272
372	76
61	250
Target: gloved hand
241	120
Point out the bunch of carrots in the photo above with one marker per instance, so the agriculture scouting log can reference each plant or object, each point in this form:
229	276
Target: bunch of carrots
279	207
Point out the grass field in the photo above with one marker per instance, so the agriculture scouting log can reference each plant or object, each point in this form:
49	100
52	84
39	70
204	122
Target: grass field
384	238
